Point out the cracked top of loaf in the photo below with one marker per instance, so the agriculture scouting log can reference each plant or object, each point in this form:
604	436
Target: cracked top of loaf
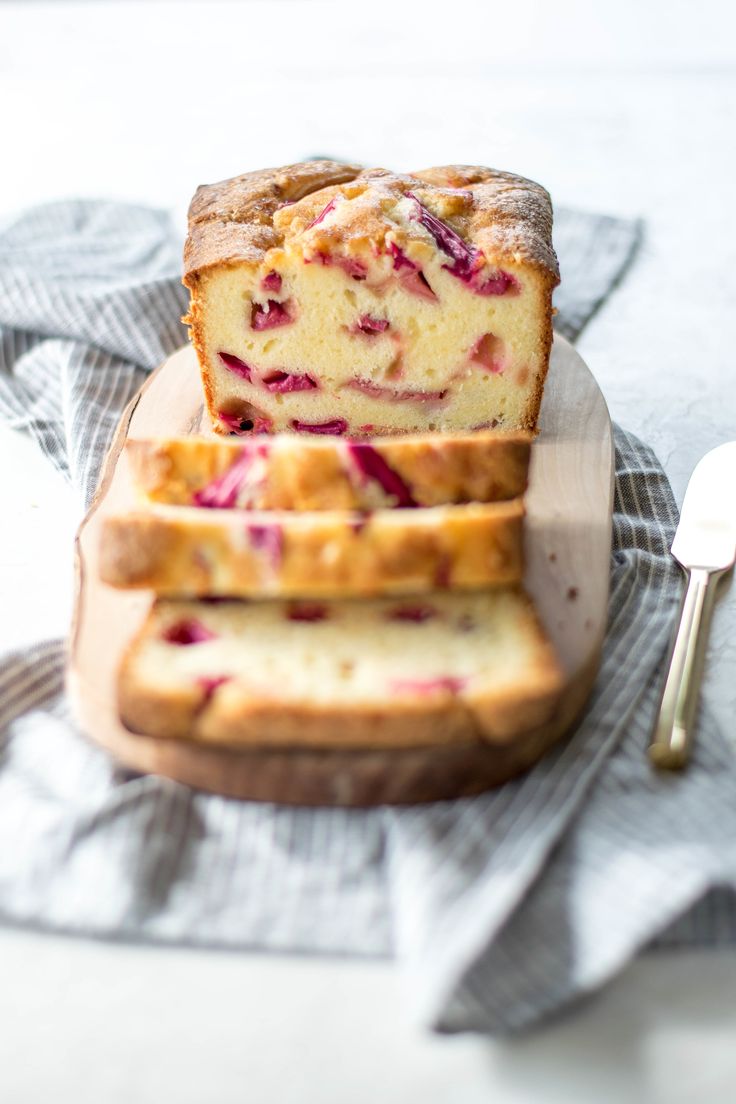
505	217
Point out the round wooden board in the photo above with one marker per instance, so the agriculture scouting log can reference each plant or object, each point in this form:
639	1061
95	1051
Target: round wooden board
567	549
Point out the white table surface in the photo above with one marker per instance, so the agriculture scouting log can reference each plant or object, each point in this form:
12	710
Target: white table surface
628	108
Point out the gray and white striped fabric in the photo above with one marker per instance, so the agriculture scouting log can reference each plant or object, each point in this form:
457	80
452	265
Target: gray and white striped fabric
501	908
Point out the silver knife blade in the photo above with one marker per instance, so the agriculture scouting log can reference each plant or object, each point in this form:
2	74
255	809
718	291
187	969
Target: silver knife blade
705	545
706	535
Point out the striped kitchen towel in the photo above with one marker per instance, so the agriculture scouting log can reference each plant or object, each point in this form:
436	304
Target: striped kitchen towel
500	908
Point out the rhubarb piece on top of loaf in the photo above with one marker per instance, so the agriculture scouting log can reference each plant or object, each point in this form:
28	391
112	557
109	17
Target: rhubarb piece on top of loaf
331	300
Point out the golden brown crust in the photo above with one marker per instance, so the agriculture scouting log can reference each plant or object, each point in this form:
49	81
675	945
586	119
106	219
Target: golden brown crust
233	220
294	473
193	552
535	400
234	717
506	216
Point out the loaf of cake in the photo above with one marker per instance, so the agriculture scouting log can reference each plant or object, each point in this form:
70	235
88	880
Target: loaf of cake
385	673
290	472
190	551
328	299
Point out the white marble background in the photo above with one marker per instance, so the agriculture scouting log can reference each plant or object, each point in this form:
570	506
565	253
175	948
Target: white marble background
628	108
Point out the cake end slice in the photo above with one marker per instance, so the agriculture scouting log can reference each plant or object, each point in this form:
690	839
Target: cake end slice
382	304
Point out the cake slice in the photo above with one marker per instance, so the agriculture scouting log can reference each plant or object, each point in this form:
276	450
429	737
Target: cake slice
383	673
288	472
331	300
188	551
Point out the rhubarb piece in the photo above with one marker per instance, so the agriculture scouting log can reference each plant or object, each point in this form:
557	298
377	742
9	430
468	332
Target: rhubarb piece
307	611
418	284
244	424
498	283
360	520
268	538
210	683
284	382
377	391
416	613
443	574
488	351
271	315
373	466
190	631
235	365
323	213
222	493
235	423
350	266
400	259
466	261
370	326
271	282
411	276
335	427
440	684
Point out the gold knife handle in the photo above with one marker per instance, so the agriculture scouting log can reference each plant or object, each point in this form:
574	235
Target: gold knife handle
673	729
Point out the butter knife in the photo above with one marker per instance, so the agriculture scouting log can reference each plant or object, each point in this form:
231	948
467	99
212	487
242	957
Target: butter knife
705	547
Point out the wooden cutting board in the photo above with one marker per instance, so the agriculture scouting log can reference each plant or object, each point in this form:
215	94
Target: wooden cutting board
568	548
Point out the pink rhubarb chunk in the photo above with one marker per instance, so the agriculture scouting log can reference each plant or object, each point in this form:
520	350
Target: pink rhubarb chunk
411	276
360	520
267	538
488	351
447	683
271	315
242	424
498	283
334	428
189	631
370	326
465	258
210	683
372	465
323	213
235	365
350	266
283	382
271	282
377	391
415	612
222	493
307	611
466	262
